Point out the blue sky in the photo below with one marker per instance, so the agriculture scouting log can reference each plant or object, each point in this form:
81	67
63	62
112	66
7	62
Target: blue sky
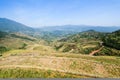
38	13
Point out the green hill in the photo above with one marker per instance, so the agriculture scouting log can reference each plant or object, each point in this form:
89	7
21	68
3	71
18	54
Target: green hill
113	40
83	42
112	44
10	41
91	41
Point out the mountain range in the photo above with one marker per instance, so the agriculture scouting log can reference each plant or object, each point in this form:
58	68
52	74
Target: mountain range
82	38
8	25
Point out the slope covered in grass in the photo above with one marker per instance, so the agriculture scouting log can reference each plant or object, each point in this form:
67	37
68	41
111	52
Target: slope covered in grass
35	73
82	43
10	41
77	64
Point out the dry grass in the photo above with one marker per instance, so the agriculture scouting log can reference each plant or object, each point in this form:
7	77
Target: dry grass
34	73
44	57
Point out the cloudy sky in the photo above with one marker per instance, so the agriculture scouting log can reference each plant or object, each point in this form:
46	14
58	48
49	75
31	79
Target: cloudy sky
38	13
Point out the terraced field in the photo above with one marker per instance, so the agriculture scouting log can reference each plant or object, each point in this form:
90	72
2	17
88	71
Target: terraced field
43	61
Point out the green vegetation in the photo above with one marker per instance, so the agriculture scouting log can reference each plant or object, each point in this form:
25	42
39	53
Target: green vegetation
22	37
88	41
34	73
23	46
2	50
112	40
83	43
108	51
2	34
16	40
77	64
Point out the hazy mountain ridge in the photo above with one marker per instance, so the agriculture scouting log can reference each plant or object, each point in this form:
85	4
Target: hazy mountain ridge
52	32
81	28
8	25
70	38
90	34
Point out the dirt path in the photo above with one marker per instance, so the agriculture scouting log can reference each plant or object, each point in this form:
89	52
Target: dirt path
94	52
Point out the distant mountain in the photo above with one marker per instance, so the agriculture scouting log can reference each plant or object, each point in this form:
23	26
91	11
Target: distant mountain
90	34
49	33
80	28
8	25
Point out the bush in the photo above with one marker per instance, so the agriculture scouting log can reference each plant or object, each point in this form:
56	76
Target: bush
112	40
109	52
2	50
23	46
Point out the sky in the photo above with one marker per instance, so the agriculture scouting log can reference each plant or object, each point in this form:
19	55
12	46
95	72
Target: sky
37	13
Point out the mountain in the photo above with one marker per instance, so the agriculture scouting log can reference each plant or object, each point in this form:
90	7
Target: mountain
90	35
80	28
8	25
50	33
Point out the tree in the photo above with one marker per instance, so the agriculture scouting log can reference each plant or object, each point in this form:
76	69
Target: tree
2	50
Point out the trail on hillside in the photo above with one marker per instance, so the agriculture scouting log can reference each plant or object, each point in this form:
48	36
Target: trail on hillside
95	51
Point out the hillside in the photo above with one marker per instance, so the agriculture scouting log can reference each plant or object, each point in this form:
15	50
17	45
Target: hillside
113	40
10	41
82	43
91	42
45	62
8	25
112	44
90	34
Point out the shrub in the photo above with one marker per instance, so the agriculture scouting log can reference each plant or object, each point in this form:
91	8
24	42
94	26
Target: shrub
2	50
23	46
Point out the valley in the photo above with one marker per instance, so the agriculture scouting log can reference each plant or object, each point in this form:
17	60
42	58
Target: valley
26	52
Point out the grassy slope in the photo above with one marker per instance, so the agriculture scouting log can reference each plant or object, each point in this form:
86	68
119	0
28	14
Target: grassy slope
16	40
84	42
89	41
45	62
34	73
44	58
